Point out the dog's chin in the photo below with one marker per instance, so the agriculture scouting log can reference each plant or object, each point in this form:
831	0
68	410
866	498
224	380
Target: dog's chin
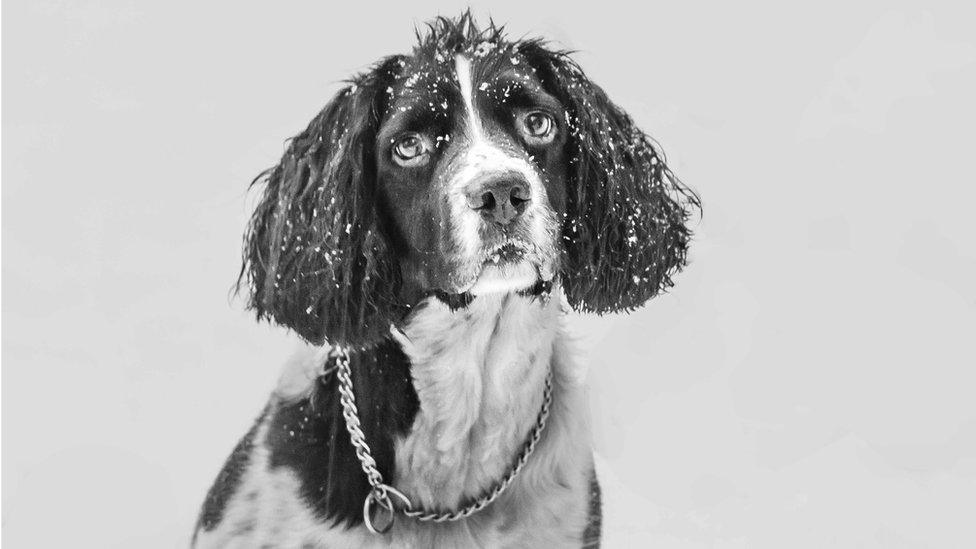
505	277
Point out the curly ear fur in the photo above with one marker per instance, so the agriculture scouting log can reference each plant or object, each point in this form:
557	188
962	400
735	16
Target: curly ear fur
625	232
316	258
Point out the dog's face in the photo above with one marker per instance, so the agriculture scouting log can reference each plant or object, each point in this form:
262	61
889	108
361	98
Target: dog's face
473	165
471	160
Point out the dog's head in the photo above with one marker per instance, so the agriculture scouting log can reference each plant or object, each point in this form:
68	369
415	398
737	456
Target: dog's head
473	165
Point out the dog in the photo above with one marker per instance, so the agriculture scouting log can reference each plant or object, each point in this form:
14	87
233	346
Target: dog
425	235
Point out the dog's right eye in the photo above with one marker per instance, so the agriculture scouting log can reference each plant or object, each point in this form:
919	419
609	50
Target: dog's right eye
411	150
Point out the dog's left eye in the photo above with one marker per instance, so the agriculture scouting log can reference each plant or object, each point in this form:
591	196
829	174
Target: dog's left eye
411	150
538	127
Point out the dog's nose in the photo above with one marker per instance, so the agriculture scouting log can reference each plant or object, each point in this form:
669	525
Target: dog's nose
499	200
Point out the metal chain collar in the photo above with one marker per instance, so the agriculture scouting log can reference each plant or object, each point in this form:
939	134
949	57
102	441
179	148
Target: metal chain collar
381	492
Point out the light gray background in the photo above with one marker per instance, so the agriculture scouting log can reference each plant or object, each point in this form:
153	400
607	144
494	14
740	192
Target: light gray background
808	383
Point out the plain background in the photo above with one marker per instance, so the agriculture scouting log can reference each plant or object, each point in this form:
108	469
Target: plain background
809	382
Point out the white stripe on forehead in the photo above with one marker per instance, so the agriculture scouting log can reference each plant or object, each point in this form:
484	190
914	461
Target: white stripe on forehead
462	69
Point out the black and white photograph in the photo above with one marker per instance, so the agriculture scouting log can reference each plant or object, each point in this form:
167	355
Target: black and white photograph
494	274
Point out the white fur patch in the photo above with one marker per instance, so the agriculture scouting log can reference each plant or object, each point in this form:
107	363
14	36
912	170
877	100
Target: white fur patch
462	69
301	371
479	374
505	278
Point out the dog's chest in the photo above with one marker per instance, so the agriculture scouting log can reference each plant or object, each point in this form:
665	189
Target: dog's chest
479	374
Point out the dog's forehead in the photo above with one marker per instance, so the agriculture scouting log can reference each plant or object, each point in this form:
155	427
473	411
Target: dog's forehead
431	81
427	85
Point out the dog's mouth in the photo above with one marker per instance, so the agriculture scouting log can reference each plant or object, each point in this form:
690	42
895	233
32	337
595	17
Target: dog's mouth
513	265
512	251
510	264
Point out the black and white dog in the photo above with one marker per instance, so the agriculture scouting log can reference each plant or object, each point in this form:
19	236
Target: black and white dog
426	234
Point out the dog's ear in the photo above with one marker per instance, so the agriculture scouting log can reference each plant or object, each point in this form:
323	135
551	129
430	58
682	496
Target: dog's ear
625	233
316	258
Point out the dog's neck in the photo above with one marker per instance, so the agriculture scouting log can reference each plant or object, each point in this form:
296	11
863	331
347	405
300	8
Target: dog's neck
479	373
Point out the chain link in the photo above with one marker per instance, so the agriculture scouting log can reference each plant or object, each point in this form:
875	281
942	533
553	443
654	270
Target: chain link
381	492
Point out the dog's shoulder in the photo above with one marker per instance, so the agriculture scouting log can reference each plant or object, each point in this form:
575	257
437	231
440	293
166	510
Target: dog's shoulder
297	378
230	478
295	470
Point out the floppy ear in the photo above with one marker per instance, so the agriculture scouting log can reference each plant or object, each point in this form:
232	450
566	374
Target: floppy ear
625	232
315	256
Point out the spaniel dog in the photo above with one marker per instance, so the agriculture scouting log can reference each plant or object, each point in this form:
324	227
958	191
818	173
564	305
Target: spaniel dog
426	234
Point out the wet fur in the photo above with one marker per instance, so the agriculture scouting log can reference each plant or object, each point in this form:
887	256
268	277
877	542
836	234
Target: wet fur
448	383
321	258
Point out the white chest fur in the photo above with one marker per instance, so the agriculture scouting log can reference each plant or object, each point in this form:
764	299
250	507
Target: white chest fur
479	374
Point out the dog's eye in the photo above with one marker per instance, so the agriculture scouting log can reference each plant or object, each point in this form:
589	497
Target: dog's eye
538	127
411	150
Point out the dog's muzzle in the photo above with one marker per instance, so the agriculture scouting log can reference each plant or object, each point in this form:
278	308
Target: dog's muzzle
499	200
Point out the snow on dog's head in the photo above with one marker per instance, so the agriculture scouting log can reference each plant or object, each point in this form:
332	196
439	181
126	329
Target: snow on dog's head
475	164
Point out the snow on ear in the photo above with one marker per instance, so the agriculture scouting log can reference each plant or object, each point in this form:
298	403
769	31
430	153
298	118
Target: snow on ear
625	235
315	256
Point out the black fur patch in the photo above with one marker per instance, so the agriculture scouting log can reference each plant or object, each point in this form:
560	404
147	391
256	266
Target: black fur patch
454	301
228	480
541	289
594	525
316	256
310	438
